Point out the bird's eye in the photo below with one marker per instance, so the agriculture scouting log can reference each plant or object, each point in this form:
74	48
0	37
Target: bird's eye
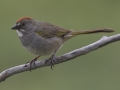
23	24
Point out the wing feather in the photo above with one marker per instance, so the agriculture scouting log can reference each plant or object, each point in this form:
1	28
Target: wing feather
48	30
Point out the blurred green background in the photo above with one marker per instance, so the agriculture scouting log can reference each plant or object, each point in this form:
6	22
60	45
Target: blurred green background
98	70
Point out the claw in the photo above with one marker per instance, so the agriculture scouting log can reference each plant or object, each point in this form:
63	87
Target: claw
51	59
32	62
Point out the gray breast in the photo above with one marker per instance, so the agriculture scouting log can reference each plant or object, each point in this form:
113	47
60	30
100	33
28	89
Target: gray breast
39	45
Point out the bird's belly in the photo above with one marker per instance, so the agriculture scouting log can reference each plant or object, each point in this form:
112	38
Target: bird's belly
43	46
40	50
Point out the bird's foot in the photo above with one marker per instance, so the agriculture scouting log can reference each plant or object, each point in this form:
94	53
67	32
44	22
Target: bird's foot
32	62
51	59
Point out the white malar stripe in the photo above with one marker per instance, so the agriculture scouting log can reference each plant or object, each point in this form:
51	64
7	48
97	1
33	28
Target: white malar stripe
22	30
20	34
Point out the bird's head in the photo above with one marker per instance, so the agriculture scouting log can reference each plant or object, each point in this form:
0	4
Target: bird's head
24	25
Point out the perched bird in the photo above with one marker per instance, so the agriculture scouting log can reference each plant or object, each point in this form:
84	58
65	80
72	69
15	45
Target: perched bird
42	38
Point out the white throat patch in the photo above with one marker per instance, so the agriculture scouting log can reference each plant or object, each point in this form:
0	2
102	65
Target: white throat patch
20	33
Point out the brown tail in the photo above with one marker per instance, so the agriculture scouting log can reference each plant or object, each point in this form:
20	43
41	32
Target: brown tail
107	30
74	33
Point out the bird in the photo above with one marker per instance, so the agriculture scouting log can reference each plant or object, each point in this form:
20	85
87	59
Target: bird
43	38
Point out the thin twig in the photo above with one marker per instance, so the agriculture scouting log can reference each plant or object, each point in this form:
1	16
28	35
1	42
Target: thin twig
63	58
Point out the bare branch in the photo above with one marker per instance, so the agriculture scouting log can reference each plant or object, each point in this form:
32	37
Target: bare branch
68	56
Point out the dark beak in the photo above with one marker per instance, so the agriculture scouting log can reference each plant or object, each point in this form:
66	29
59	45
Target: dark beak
15	27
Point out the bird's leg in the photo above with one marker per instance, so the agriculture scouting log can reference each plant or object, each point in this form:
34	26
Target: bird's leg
51	59
32	62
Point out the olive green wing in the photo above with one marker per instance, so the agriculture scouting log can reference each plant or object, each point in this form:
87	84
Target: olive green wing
48	30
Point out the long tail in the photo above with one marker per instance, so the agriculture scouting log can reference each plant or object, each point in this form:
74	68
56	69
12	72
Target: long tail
74	33
107	30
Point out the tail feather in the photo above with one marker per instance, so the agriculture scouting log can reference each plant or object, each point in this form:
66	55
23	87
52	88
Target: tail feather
74	33
107	30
